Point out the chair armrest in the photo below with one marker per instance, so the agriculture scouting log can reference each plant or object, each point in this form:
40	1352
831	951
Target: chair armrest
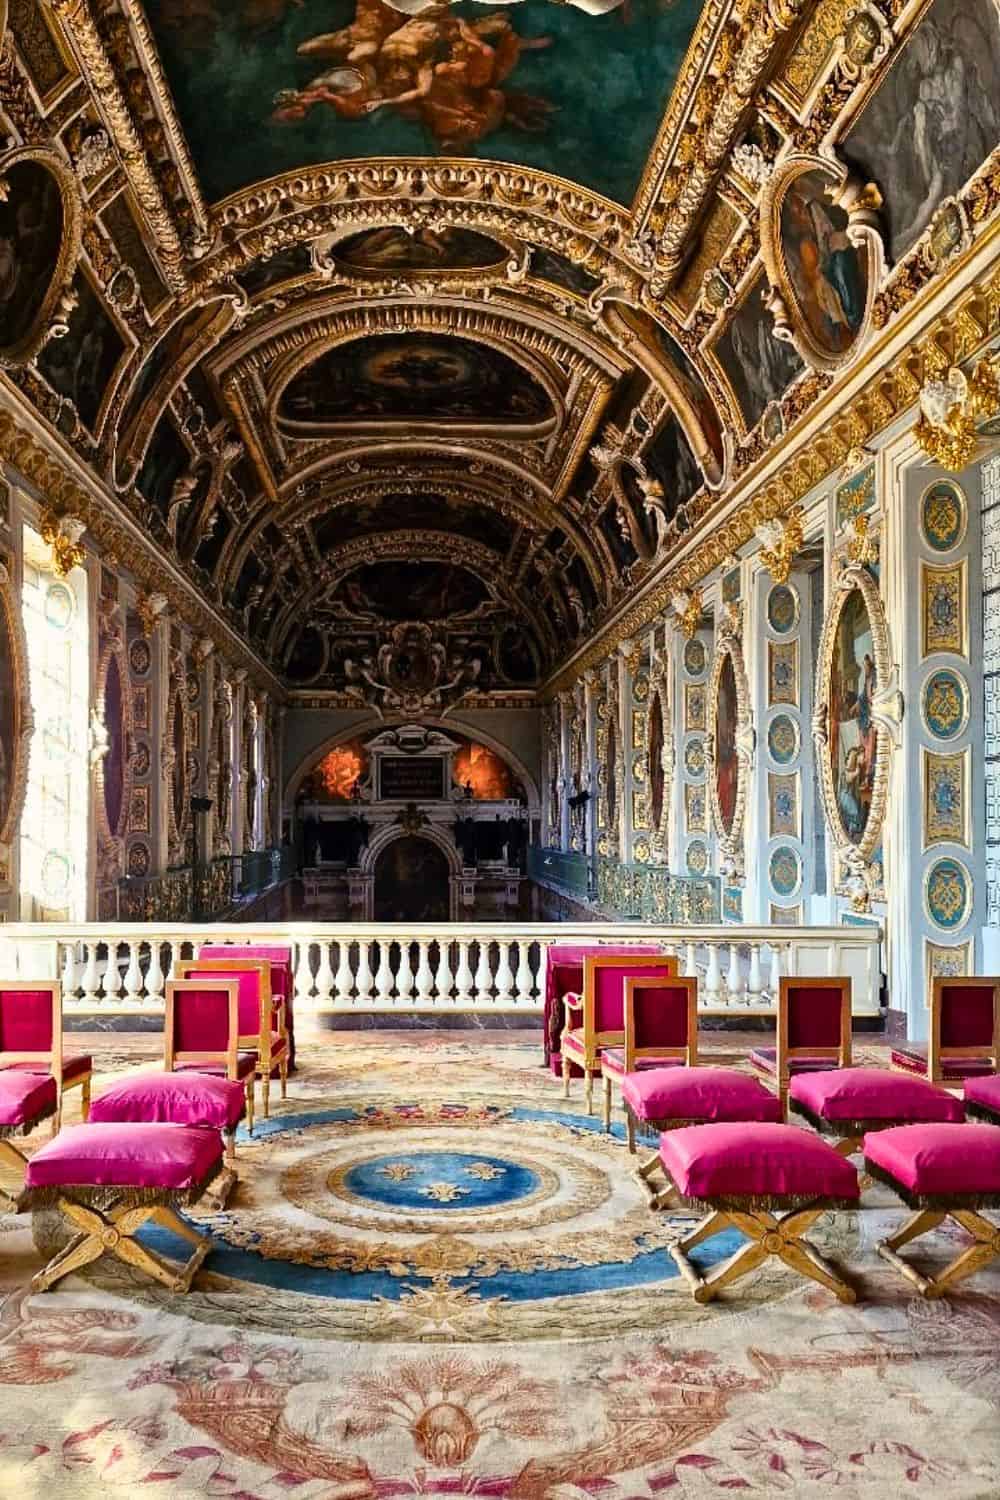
572	1003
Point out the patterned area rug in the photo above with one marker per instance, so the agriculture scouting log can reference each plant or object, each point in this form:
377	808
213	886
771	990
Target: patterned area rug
438	1278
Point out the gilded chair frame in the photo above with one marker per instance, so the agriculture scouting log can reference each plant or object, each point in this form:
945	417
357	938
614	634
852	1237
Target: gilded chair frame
261	1043
936	1054
594	1040
785	1054
54	1057
688	1053
230	988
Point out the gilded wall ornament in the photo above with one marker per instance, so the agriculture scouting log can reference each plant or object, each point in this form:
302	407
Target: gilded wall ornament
946	797
783	672
945	961
823	252
784	870
944	608
943	512
948	894
783	805
782	739
782	609
951	405
780	542
858	708
945	704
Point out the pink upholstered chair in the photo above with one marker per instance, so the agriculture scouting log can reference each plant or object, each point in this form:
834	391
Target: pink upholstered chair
596	1019
257	1023
964	1039
563	976
201	1032
661	1031
814	1031
279	956
31	1039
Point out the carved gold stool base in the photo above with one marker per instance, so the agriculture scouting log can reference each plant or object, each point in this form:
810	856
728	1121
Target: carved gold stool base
112	1231
769	1234
984	1249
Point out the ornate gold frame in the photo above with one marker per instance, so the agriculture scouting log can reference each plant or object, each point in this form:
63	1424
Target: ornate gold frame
887	710
111	841
176	699
729	644
659	692
43	327
24	719
860	201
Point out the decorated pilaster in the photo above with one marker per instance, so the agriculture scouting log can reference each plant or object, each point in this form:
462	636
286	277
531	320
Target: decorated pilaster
690	646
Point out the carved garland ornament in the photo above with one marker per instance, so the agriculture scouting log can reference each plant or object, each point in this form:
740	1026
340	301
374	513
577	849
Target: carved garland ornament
737	759
17	743
860	878
51	318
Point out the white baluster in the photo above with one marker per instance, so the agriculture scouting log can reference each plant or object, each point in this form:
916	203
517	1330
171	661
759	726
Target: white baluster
175	956
484	976
90	979
69	972
463	975
364	978
734	975
713	974
444	980
404	974
324	975
154	975
755	976
383	979
774	982
524	980
343	983
303	976
504	976
133	976
690	963
424	978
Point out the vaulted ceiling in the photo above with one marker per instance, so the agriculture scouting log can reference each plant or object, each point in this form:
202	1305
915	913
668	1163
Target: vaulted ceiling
440	316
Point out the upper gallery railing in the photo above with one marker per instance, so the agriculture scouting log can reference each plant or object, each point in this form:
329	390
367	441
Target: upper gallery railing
186	895
647	893
439	967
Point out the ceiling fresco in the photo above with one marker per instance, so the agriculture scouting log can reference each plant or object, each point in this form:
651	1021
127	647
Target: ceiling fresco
265	86
430	346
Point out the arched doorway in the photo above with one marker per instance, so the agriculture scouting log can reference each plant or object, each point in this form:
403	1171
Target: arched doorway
411	882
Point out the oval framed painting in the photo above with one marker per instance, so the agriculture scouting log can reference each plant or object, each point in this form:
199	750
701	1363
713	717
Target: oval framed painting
40	225
728	744
114	696
658	762
852	745
823	252
178	769
15	711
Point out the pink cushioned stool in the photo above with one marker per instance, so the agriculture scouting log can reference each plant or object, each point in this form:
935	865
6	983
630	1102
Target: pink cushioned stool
179	1099
942	1172
771	1182
25	1100
851	1101
675	1097
107	1180
982	1098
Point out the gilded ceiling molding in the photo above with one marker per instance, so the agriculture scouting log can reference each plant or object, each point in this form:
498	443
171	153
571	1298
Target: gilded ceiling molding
724	101
961	330
81	29
45	468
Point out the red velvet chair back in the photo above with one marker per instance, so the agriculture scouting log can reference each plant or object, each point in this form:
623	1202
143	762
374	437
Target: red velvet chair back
279	957
254	978
26	1019
965	1021
604	989
201	1024
660	1019
814	1020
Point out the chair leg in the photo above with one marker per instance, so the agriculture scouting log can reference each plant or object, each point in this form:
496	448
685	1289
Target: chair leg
251	1091
607	1100
265	1085
973	1258
630	1130
589	1089
565	1073
283	1070
85	1099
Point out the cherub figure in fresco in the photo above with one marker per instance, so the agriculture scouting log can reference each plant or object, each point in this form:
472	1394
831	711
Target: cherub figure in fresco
436	68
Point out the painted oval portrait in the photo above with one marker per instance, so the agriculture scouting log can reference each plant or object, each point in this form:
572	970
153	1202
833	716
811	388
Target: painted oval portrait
853	734
655	768
827	275
727	766
32	225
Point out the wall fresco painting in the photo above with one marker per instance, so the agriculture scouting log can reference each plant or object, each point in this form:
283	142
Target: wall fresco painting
853	737
934	119
31	231
411	882
80	366
727	766
670	460
334	778
263	88
828	275
479	769
759	367
409	377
